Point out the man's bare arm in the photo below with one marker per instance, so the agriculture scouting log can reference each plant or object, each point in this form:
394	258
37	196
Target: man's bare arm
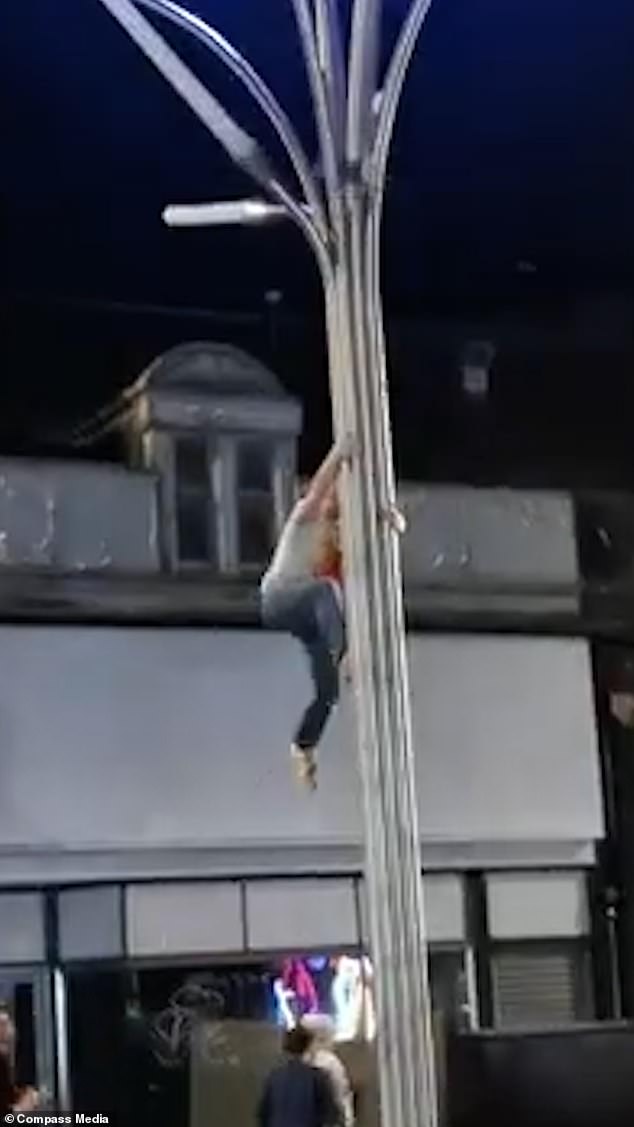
325	478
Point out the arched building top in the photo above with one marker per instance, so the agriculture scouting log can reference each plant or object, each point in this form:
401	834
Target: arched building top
210	369
220	433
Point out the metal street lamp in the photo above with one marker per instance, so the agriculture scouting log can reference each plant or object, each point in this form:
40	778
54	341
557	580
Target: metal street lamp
354	114
229	213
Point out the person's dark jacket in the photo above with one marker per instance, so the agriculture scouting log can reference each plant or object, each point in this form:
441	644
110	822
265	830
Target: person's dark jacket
297	1095
8	1093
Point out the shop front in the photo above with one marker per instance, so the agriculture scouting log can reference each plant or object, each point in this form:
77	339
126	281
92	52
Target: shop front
163	1002
169	902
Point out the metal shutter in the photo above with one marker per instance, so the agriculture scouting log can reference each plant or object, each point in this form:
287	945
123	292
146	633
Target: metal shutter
534	988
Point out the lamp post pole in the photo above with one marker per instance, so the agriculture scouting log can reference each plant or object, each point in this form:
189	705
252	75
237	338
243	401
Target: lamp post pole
354	116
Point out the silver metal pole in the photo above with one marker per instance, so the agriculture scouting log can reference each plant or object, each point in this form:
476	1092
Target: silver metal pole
406	1053
416	1033
471	985
60	1013
394	878
362	78
349	264
332	64
331	155
374	599
44	1037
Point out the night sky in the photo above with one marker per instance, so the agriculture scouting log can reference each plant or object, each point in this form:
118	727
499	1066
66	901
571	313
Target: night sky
510	217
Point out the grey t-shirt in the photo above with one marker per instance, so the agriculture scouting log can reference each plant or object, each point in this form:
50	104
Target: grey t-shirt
294	558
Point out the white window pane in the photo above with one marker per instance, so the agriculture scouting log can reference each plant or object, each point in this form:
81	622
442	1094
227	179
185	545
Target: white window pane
183	919
537	905
22	928
90	923
304	914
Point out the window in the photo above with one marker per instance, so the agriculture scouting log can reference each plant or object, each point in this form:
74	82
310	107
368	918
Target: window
255	501
190	1044
195	541
25	997
449	994
254	467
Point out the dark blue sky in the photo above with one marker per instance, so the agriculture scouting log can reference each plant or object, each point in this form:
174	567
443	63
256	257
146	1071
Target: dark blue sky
515	143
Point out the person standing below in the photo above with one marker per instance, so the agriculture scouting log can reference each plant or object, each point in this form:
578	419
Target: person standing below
12	1098
322	1055
296	1094
302	593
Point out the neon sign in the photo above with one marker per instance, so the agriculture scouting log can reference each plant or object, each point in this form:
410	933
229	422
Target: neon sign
340	987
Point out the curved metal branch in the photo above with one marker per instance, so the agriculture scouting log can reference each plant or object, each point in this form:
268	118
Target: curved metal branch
331	158
391	93
332	63
257	87
318	244
376	171
237	143
362	76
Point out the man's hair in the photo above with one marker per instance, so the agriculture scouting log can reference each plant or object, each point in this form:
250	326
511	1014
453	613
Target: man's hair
297	1041
320	1026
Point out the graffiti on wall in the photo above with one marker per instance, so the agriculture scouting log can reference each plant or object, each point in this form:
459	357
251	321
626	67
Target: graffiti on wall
192	1019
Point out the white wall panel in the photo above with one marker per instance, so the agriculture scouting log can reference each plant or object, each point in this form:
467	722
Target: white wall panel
537	905
22	935
524	537
173	737
77	516
131	739
460	536
301	914
90	923
506	742
183	919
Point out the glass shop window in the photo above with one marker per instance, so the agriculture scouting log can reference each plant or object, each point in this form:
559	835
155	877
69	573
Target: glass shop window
191	1045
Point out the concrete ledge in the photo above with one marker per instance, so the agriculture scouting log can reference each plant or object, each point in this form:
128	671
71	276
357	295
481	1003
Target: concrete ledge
54	865
184	599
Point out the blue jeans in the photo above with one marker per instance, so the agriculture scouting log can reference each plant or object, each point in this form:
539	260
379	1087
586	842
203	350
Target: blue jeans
311	612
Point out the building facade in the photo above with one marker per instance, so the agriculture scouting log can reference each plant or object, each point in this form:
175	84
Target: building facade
160	878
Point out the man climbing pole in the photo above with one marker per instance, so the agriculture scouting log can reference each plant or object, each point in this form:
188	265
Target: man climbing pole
302	593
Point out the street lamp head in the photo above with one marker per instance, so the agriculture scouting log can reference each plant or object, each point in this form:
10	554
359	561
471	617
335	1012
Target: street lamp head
226	214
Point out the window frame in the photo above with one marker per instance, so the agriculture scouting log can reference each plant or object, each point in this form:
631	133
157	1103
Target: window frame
180	490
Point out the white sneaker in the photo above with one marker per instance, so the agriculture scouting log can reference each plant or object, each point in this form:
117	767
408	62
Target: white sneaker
304	766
